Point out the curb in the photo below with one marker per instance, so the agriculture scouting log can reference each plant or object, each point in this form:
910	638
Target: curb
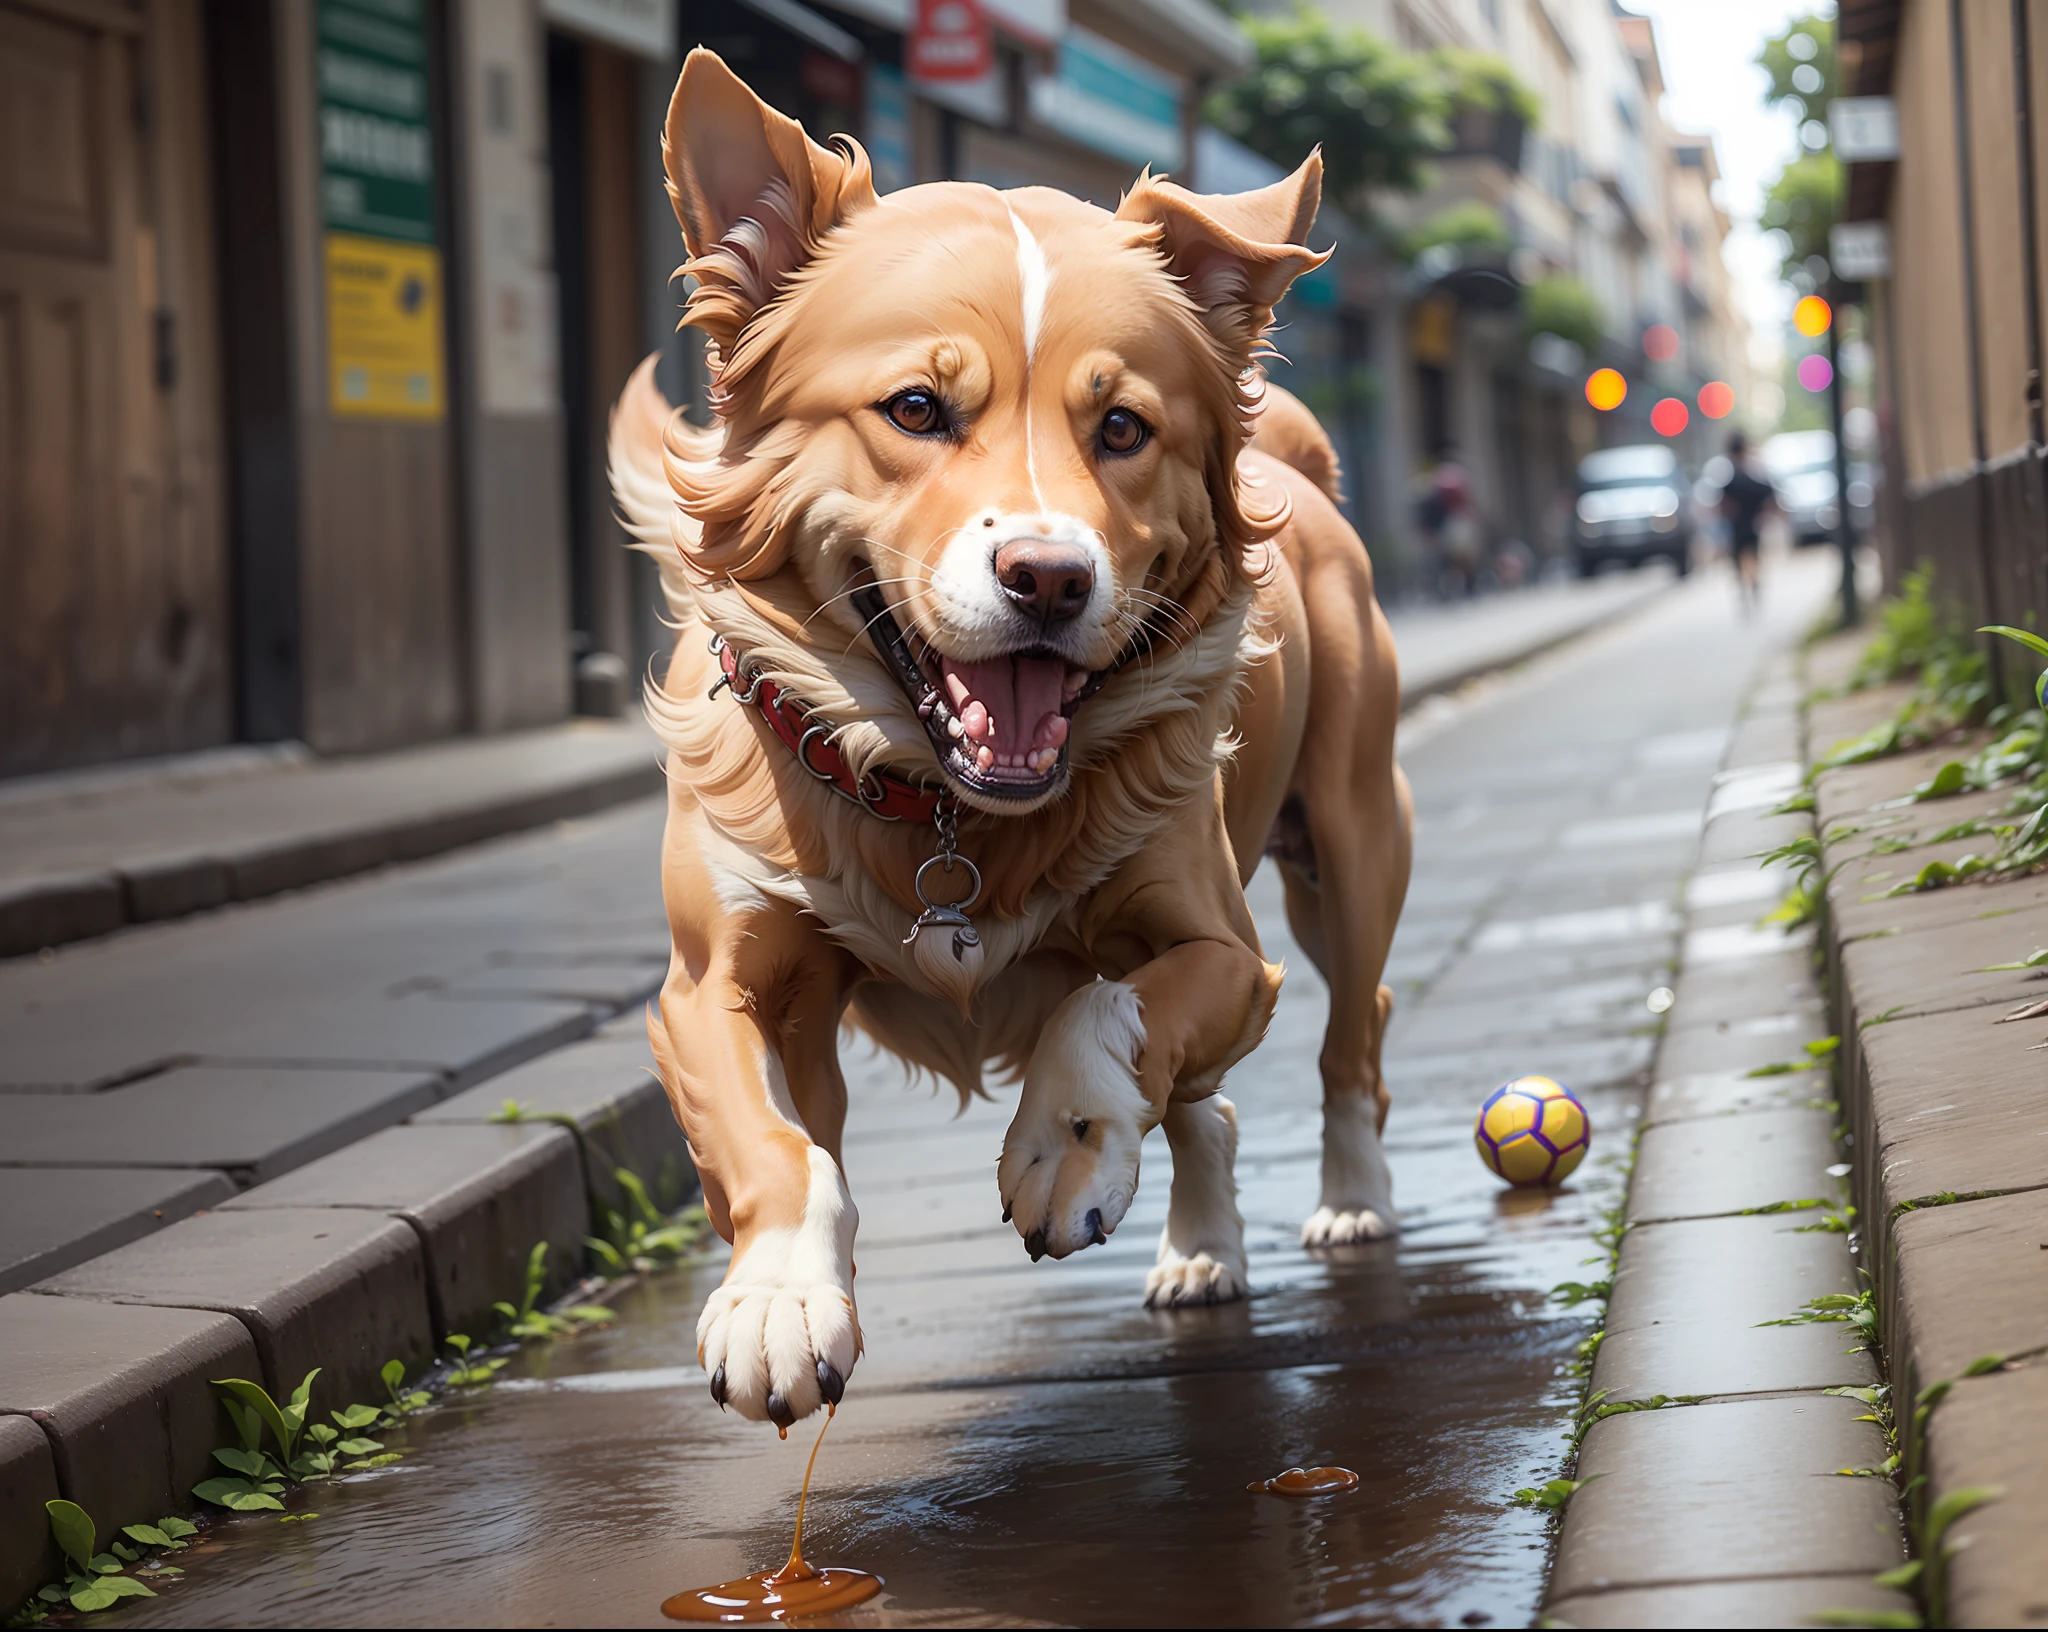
1718	1503
60	907
1943	1103
373	1253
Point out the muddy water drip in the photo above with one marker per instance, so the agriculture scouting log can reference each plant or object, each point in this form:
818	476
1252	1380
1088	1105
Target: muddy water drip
795	1589
1307	1482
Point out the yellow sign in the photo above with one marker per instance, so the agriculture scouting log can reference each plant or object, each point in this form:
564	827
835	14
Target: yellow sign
384	355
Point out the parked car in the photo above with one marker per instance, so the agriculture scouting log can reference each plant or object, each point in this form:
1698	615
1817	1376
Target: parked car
1634	505
1801	466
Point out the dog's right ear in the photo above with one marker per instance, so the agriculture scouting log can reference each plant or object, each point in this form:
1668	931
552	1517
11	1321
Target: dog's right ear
753	193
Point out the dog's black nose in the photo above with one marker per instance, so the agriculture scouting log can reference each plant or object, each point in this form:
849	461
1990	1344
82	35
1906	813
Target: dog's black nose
1050	582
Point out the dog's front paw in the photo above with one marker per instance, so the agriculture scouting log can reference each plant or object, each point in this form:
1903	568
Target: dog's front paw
780	1337
1345	1227
1070	1160
1178	1282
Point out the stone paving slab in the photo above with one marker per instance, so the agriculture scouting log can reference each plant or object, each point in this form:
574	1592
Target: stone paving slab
87	852
1771	984
1979	1274
1697	1493
1746	1043
479	1197
69	1051
122	1393
1719	1165
1990	1432
341	1290
1728	1093
1907	914
1955	1099
52	1218
1690	1300
1785	1601
1947	966
253	1122
608	1089
28	1479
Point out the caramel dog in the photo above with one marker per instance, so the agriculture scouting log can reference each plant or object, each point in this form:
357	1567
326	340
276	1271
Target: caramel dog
1004	655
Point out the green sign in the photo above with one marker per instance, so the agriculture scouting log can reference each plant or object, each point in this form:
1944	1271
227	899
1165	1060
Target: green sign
376	139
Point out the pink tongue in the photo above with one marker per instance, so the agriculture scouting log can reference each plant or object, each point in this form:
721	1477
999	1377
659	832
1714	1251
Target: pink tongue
1018	692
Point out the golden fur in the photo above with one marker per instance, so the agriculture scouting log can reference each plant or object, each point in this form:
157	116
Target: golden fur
1118	971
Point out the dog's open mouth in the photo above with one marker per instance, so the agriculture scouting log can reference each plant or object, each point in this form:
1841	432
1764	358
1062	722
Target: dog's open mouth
999	725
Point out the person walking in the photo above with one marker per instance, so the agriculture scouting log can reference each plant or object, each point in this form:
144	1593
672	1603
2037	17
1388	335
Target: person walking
1745	498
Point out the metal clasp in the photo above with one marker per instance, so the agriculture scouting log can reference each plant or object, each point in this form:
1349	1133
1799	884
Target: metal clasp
948	914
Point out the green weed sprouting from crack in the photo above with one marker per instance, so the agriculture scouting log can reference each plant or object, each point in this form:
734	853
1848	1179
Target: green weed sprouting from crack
528	1322
1550	1497
1856	1309
1819	1053
94	1580
1805	1204
2033	960
644	1238
1940	1198
1598	1408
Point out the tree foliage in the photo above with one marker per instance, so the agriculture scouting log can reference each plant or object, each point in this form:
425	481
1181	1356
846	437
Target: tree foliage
1378	113
1803	204
1471	225
1804	43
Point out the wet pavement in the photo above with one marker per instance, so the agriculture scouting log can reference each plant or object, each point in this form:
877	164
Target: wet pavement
1023	1444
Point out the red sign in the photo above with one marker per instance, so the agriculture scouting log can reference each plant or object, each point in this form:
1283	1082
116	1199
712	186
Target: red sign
949	41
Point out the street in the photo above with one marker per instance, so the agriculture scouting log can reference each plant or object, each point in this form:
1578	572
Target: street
1024	1444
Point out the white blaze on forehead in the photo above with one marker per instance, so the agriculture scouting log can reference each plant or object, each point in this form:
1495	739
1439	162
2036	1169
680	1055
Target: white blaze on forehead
1036	276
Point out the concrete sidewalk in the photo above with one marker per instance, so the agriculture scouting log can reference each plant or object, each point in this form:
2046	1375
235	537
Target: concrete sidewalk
1943	1096
86	852
263	1138
1713	1495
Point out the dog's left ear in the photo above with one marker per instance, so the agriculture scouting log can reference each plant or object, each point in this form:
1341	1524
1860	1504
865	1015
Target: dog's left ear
754	195
1235	253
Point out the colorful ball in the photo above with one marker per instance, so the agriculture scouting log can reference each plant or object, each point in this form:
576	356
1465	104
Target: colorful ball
1532	1131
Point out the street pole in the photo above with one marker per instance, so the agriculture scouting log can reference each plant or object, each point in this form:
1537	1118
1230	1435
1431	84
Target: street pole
1845	528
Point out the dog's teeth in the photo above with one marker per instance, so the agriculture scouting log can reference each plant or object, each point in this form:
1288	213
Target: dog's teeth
985	758
954	728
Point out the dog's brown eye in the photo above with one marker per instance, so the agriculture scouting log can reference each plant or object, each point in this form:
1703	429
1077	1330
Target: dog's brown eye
1122	431
1081	1129
917	412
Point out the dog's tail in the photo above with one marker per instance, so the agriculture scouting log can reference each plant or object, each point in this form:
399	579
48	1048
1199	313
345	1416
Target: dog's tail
1290	433
645	430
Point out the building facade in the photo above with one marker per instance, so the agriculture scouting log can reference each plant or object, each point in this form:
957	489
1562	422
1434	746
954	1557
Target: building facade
1957	314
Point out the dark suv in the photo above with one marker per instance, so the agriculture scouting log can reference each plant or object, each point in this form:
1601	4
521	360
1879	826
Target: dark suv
1633	506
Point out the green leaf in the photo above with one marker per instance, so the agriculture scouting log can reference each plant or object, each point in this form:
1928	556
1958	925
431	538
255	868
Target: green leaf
359	1447
1952	1505
238	1494
510	1111
125	1553
356	1416
320	1434
105	1564
1902	1578
393	1374
2026	637
1821	1047
376	1461
1982	1364
254	1397
125	1586
1866	1617
177	1529
91	1595
149	1535
595	1313
249	1464
458	1343
605	1252
73	1530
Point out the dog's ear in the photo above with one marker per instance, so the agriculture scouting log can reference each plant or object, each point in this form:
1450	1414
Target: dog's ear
1235	253
753	193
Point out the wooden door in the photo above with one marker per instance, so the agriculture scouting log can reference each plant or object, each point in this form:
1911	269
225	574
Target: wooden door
112	564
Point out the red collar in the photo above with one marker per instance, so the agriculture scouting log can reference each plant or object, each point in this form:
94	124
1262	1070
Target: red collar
878	793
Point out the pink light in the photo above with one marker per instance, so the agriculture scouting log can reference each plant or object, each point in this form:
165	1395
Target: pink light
1814	372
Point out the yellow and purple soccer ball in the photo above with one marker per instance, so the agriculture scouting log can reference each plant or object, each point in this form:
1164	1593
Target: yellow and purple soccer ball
1532	1132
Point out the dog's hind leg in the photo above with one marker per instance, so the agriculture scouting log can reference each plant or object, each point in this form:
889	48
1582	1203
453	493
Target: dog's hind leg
1201	1250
